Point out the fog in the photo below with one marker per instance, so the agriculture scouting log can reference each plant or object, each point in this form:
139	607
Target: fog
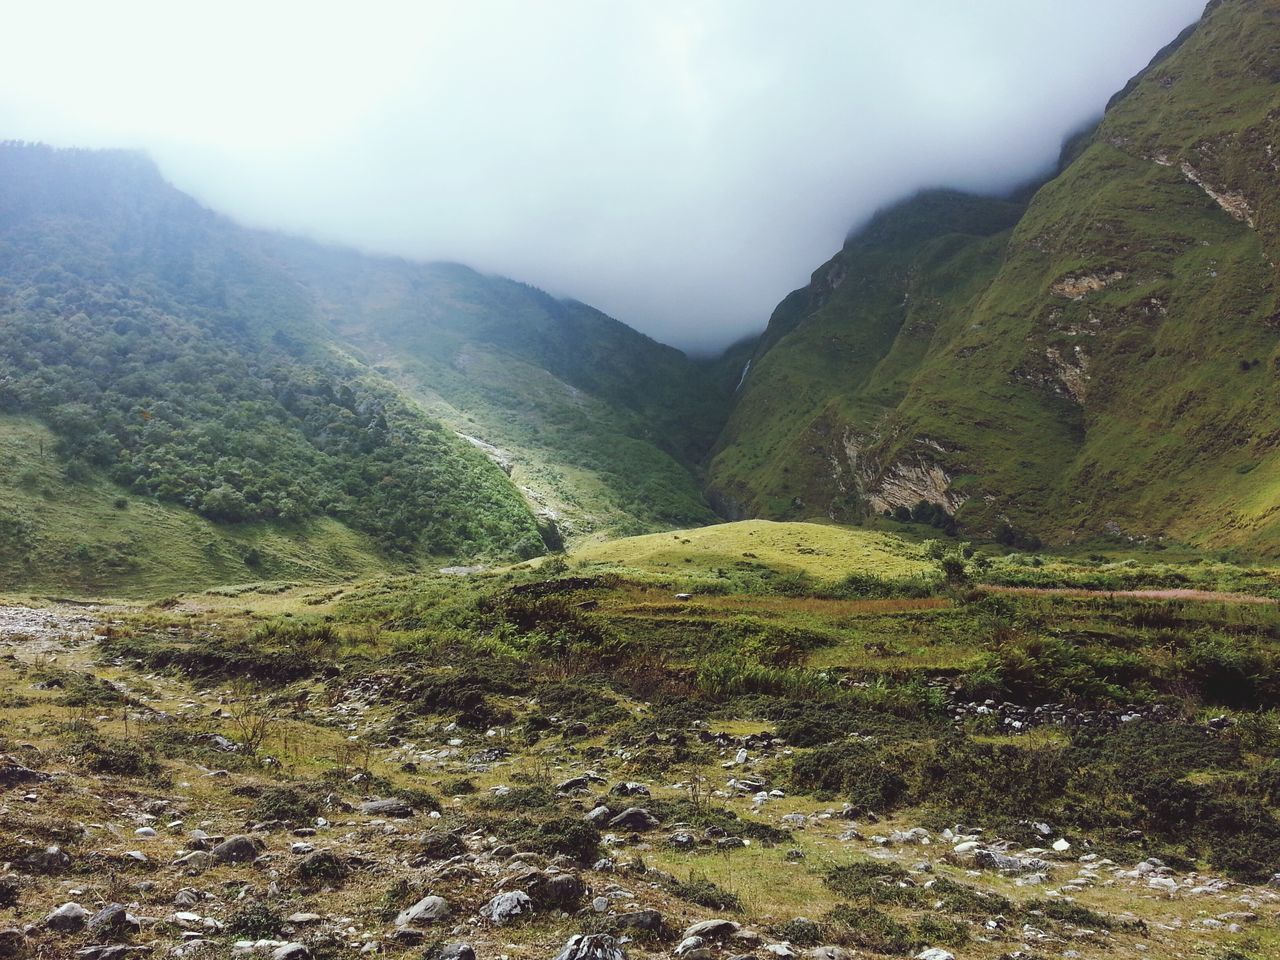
680	165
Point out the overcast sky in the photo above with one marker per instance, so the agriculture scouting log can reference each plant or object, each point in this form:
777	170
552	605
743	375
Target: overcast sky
680	165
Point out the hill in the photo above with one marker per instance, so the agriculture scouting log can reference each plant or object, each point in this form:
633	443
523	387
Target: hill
1101	363
249	379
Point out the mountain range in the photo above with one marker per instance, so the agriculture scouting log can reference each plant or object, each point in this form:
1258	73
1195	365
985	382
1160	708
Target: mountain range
183	398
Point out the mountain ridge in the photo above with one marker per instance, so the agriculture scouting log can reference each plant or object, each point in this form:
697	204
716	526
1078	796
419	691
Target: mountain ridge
1104	368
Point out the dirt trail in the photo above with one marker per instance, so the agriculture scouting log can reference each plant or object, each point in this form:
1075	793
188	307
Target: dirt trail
1216	596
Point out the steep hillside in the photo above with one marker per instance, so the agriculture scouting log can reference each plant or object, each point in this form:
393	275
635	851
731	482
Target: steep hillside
1107	366
599	425
225	375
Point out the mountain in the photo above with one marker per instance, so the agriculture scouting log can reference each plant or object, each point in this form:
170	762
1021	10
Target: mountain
292	410
1101	361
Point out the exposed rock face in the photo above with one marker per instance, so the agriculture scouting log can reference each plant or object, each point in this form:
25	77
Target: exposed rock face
1079	287
1071	370
903	483
1233	202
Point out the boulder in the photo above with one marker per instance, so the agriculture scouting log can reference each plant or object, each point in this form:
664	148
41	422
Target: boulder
426	910
237	849
594	946
507	906
457	951
113	919
715	929
68	918
291	951
636	819
390	807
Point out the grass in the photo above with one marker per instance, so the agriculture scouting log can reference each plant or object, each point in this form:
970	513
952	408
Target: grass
92	537
935	338
823	551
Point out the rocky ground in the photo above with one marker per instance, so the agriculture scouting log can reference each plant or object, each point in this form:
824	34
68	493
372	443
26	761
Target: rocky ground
106	855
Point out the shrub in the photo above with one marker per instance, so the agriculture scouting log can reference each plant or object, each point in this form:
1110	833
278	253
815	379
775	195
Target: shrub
255	920
703	892
571	836
869	928
122	758
291	804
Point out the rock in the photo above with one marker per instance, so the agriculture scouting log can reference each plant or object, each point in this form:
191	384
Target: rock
237	849
629	788
935	953
48	860
13	943
594	946
1061	846
426	910
560	891
650	921
457	951
507	906
113	919
391	807
691	945
68	918
110	952
291	951
831	953
13	774
714	929
598	814
990	860
196	860
636	819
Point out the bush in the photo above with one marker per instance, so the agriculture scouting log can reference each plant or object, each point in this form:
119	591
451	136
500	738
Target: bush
571	836
703	892
255	920
122	758
854	770
290	803
867	927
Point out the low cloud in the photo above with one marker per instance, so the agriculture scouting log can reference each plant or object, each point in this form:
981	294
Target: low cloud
681	165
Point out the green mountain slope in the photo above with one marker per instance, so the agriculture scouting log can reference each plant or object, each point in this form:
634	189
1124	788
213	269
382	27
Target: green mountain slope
228	376
1106	366
599	425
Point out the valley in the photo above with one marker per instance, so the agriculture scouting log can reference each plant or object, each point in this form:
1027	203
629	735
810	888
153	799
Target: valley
353	605
773	738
